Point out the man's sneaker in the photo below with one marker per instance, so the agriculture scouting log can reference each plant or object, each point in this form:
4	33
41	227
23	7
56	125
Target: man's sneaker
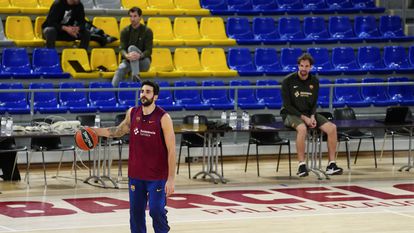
302	171
332	169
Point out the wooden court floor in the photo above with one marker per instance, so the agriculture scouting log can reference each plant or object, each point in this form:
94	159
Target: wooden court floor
363	199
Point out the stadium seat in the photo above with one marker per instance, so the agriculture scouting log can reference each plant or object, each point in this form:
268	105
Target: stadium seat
289	59
241	7
367	6
38	33
76	102
322	61
265	30
28	6
216	7
316	6
271	97
366	28
7	8
190	99
351	96
15	61
110	27
46	102
187	61
14	102
164	7
46	4
105	101
104	61
142	4
212	29
341	6
163	32
20	30
125	22
46	63
267	61
404	94
81	56
344	59
128	98
376	95
191	7
218	99
266	7
162	63
323	97
340	28
411	55
395	58
246	98
186	29
214	60
165	98
238	28
240	59
292	6
315	29
108	5
369	59
290	30
390	27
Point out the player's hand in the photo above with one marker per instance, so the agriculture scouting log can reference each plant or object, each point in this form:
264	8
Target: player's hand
313	122
169	187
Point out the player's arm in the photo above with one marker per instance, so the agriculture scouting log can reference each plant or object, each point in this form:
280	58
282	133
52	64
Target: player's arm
169	138
116	131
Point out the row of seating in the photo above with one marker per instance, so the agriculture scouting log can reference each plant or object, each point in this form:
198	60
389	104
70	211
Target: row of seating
250	7
193	99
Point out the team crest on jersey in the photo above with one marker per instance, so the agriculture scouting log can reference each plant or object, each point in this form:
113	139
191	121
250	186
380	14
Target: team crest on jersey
311	87
132	187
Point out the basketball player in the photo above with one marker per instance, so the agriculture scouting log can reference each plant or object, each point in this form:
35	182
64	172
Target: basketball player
151	165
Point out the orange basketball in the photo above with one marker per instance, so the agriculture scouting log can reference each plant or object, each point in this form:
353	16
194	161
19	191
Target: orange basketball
86	138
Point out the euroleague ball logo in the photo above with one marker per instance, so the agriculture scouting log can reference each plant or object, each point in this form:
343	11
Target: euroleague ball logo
87	139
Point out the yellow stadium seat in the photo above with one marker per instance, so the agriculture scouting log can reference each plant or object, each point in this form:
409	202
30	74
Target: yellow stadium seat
191	7
142	4
104	57
81	56
20	30
38	33
163	33
214	60
45	3
186	29
162	63
164	7
124	22
110	27
187	60
29	6
212	29
7	8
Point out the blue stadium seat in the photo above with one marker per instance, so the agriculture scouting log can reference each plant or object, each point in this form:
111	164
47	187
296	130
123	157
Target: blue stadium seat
239	29
290	30
292	6
241	7
322	61
14	103
341	6
46	63
369	59
404	94
105	101
411	55
266	7
344	59
267	61
246	98
315	29
15	61
351	96
391	27
216	7
316	6
76	102
265	30
367	6
165	98
289	58
366	28
395	58
323	97
218	99
271	97
46	102
377	95
127	98
189	99
340	28
240	59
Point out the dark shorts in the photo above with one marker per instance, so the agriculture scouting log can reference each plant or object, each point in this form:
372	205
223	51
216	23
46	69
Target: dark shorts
293	121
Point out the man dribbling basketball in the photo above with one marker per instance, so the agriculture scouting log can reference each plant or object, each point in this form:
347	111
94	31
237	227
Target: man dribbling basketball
151	165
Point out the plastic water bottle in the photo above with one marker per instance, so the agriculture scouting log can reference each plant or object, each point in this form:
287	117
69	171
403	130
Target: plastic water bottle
3	125
223	117
245	120
97	121
196	121
9	126
233	119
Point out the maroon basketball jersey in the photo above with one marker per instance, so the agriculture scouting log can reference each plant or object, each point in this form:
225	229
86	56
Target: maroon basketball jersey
148	155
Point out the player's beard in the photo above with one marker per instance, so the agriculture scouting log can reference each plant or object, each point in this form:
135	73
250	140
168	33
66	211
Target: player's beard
146	102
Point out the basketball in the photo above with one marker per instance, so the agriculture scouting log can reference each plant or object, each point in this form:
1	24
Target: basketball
86	138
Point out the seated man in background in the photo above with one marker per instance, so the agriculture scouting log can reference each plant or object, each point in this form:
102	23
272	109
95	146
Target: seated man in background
300	95
66	22
135	48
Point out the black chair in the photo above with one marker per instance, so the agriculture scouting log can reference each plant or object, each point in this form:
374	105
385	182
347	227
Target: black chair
266	139
349	114
194	140
8	160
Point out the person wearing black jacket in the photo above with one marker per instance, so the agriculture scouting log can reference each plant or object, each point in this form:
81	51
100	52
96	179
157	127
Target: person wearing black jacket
66	22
